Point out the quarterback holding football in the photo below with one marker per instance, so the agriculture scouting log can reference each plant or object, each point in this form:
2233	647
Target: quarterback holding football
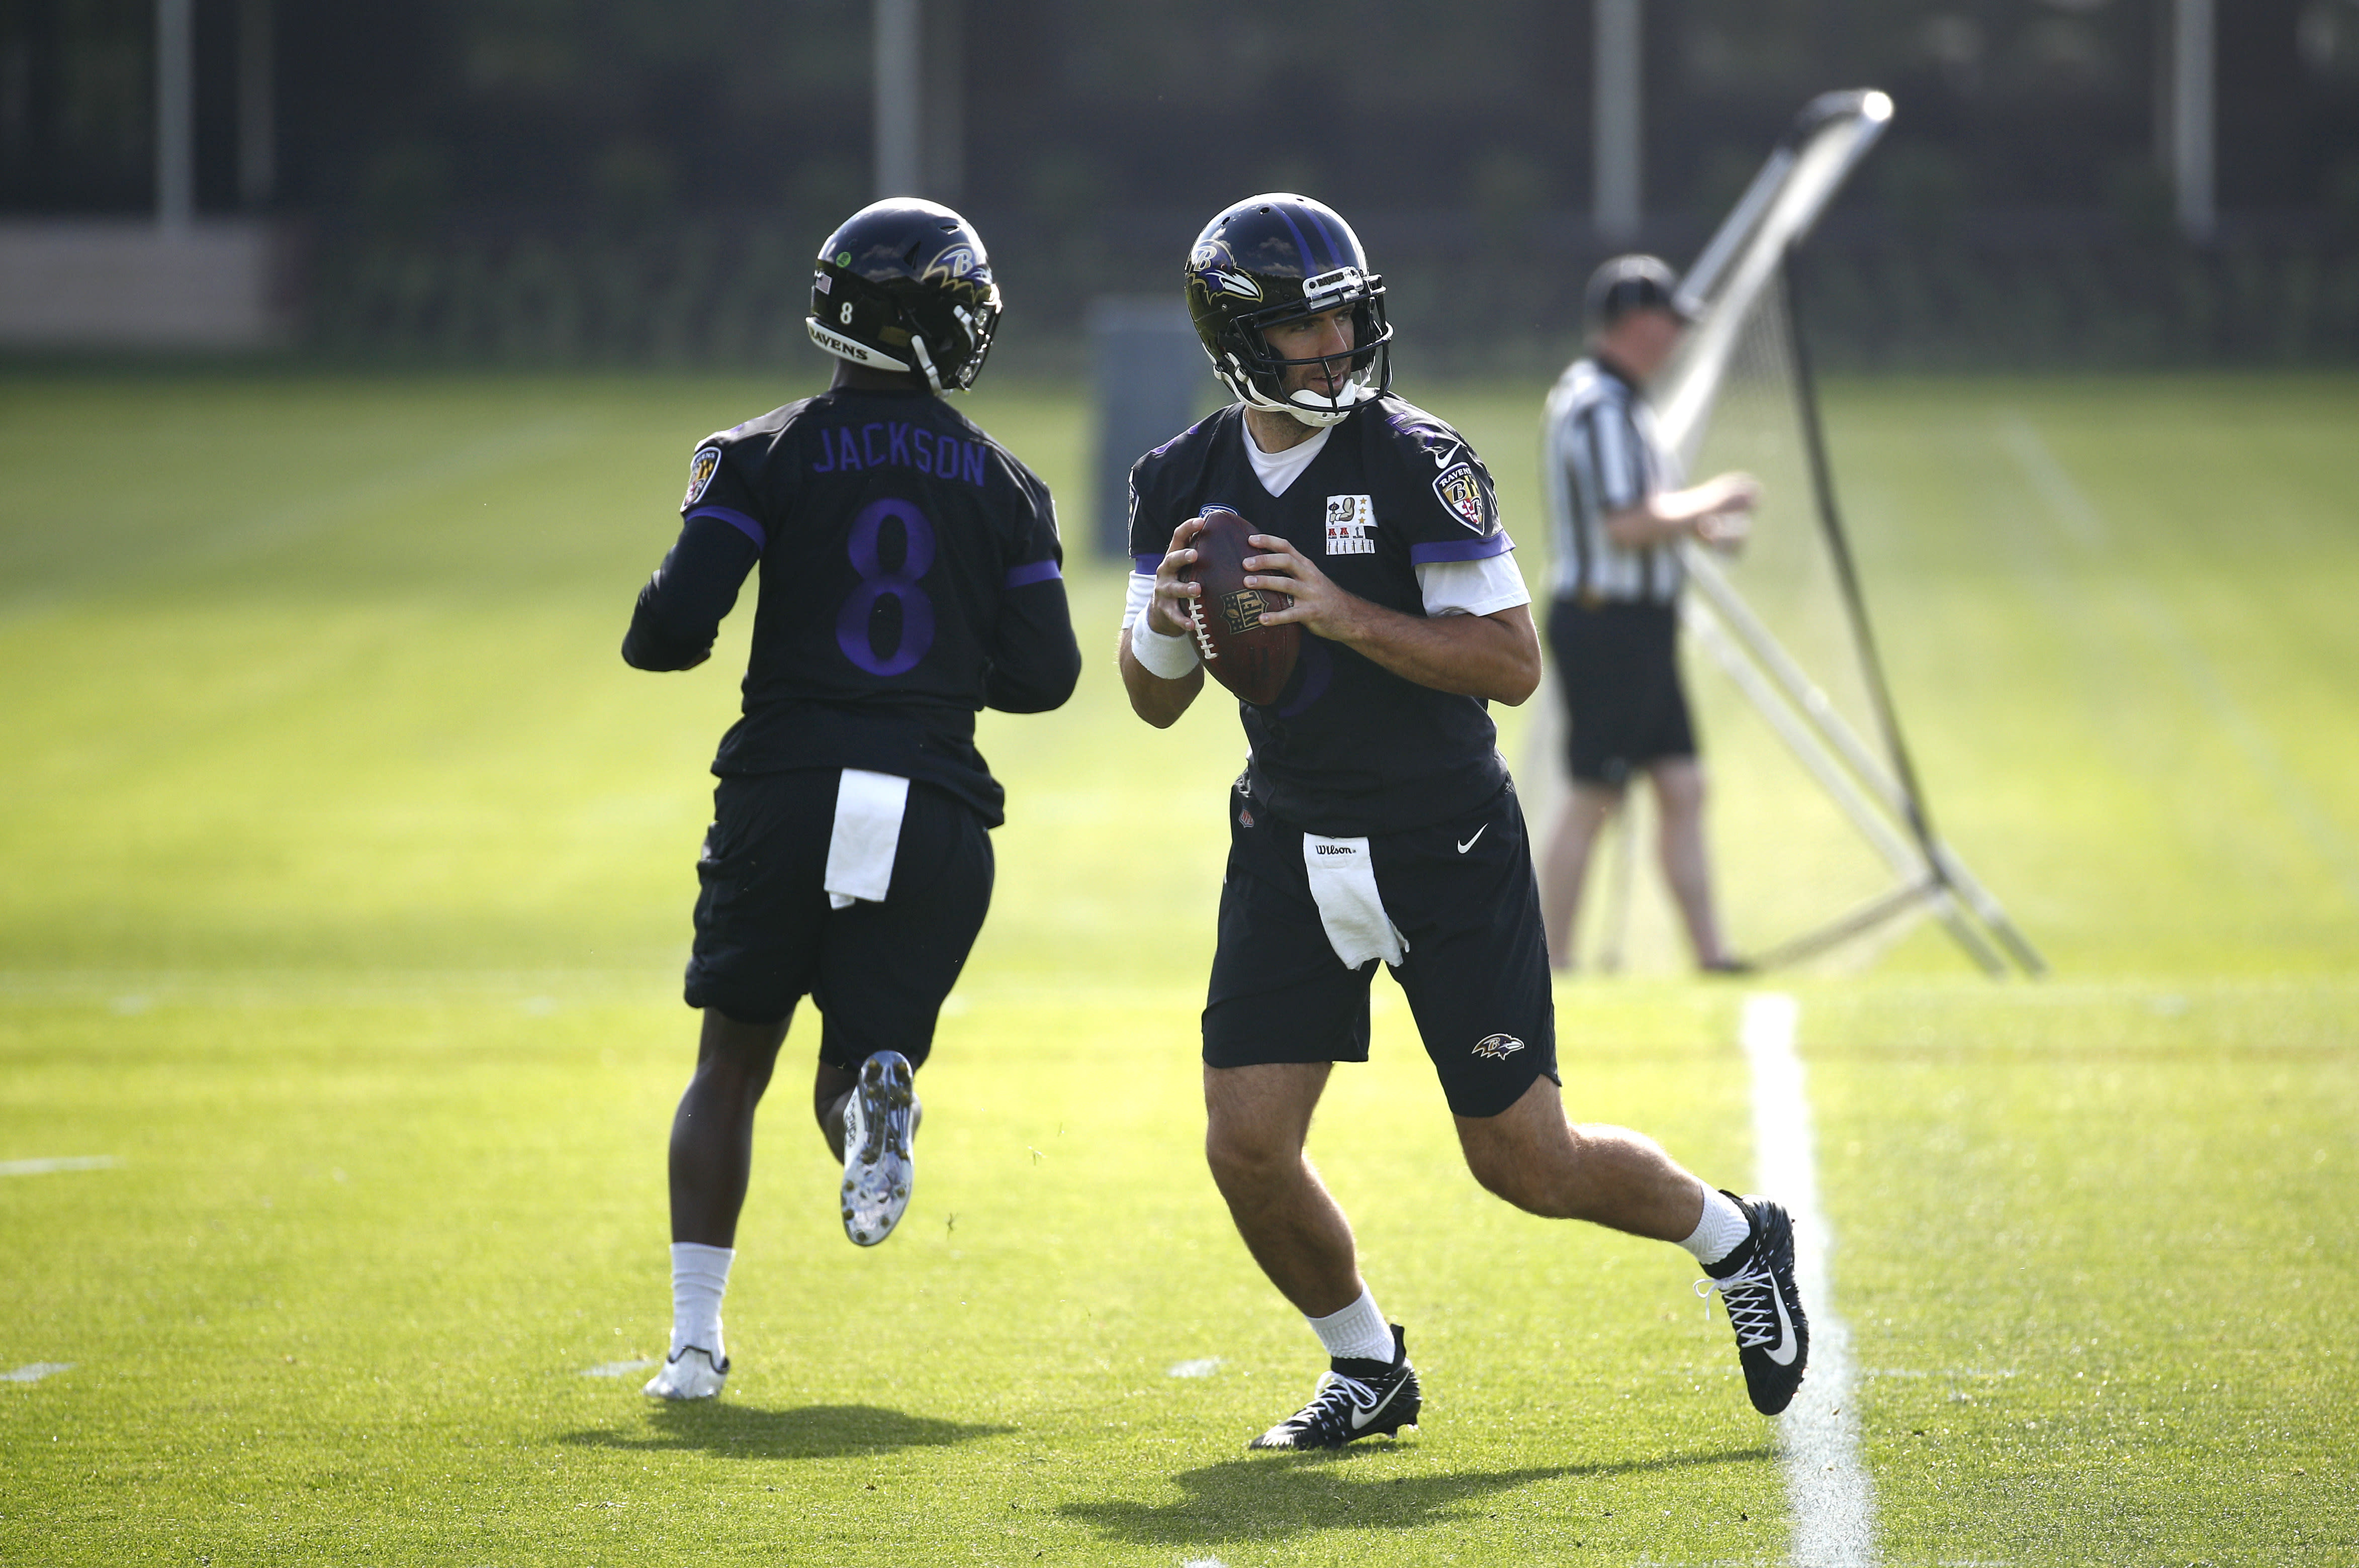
1335	555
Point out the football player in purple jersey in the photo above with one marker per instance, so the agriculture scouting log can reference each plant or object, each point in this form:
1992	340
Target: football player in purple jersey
909	572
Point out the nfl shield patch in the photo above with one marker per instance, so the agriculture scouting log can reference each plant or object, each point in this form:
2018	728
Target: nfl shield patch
701	469
1463	494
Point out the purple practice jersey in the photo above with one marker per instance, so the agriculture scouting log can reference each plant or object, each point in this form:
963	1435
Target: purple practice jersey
1349	748
909	577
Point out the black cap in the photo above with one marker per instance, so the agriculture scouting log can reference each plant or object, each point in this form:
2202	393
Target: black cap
1630	283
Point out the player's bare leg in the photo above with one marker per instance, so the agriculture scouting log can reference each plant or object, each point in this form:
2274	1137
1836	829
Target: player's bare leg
831	1090
712	1158
712	1131
1564	865
1687	865
1256	1119
1531	1155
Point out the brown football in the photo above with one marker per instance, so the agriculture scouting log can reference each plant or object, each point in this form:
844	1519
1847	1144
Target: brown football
1249	658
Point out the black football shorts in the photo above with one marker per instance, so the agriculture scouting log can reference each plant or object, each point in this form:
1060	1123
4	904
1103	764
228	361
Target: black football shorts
1617	665
1475	972
765	937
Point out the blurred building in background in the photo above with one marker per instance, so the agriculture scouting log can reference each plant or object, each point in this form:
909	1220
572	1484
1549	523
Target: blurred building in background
643	181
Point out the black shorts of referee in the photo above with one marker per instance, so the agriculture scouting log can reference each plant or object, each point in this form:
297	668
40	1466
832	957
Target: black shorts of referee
1617	666
767	937
1475	970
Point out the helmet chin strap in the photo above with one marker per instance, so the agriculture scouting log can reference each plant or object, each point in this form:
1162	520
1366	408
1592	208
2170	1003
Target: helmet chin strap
926	362
1241	381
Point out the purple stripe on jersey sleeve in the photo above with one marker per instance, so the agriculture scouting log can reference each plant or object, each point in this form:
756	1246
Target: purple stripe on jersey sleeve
1145	565
1032	572
735	519
1460	550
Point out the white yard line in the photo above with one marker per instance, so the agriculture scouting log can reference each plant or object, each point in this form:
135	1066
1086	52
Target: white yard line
618	1368
36	1372
67	1162
1832	1502
2078	518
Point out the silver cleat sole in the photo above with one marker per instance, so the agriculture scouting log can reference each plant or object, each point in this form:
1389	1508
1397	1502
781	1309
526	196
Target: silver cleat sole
880	1121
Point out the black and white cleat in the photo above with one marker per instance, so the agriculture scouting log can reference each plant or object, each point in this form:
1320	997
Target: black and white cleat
688	1373
1356	1399
1756	1284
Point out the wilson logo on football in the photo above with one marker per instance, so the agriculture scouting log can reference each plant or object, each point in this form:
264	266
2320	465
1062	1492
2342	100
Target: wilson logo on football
1498	1047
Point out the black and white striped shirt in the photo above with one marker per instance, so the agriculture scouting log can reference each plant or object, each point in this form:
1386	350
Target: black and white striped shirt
1602	455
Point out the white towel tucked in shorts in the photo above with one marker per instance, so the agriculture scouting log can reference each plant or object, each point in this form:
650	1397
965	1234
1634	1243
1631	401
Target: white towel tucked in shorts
1343	881
868	808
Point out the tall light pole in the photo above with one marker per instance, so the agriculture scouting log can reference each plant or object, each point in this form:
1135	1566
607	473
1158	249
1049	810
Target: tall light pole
1617	146
257	129
176	115
900	82
2193	167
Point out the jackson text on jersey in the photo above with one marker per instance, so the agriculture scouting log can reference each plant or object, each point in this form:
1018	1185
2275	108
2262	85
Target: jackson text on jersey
880	443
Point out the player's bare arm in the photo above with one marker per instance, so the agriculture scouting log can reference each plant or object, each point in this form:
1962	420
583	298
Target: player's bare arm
1719	512
1494	656
1159	701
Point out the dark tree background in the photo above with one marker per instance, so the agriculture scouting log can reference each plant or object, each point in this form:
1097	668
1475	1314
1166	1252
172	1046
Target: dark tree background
638	179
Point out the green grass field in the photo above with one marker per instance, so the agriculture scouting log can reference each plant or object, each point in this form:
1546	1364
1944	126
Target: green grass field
346	883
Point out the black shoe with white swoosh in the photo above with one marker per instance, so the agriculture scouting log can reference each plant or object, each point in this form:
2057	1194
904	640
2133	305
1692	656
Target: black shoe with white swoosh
1757	1283
1356	1399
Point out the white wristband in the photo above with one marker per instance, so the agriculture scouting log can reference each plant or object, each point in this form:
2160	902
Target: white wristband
1166	657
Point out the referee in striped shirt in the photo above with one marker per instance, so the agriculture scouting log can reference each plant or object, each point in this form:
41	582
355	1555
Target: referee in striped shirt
1618	511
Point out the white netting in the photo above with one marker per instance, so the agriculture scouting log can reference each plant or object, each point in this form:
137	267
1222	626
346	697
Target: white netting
1796	838
1789	857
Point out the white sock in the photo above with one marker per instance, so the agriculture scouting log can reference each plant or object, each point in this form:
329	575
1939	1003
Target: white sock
700	1275
1358	1331
1721	1231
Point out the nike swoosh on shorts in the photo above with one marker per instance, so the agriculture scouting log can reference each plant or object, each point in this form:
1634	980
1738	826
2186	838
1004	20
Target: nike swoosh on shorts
1478	833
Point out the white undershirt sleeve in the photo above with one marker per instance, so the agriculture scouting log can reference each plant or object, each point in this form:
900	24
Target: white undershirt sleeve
1473	587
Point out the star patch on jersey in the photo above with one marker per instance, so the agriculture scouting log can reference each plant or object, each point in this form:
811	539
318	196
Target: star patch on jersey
1349	518
1463	494
700	470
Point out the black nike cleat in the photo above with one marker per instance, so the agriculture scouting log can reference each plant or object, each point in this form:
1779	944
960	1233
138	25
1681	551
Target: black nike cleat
1357	1398
1756	1284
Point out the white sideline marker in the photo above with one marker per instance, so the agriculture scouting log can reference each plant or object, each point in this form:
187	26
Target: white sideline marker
70	1163
1205	1367
1832	1502
36	1372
